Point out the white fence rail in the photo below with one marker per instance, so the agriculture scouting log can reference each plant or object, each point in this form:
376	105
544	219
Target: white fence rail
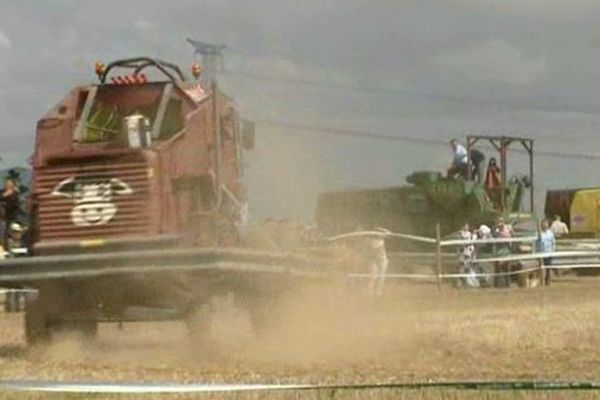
462	242
585	256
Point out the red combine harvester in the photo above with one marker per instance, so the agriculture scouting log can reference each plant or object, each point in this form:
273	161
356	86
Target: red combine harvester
136	200
134	162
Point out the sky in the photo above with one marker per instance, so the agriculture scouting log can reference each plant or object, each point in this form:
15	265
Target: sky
426	69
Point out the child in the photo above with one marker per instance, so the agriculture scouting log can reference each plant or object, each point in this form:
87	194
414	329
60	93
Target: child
546	244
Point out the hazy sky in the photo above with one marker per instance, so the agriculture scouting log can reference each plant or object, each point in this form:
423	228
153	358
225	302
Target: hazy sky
432	69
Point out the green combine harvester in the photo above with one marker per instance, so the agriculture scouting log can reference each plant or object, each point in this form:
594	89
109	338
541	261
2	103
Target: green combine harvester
429	198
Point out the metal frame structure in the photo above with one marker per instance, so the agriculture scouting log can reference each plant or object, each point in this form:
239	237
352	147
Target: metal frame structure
212	58
501	144
20	271
138	64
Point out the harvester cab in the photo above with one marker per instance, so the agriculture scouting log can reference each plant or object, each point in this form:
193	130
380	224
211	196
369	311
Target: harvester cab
147	154
132	111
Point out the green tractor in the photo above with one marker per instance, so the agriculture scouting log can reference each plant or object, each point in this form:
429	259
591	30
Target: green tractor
428	199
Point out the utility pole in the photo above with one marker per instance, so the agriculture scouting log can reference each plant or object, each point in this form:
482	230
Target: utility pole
212	62
211	58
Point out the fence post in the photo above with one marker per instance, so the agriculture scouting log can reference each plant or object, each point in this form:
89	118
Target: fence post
438	253
543	270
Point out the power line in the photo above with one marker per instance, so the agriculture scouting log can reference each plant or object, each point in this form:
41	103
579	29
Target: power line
332	85
350	132
519	104
359	133
374	89
29	94
328	84
324	130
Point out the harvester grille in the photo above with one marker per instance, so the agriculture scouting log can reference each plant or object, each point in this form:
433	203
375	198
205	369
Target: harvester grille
92	201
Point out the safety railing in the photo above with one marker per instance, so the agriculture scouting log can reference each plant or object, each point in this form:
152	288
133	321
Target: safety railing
21	271
573	254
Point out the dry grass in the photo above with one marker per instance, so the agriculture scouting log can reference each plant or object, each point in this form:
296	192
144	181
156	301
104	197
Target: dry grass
414	334
340	395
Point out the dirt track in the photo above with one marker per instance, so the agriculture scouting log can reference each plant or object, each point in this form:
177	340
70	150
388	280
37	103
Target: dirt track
414	333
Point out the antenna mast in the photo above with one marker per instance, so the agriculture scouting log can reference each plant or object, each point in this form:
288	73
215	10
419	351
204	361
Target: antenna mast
211	58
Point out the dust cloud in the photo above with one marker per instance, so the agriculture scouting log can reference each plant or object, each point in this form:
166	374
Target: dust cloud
329	324
336	334
334	324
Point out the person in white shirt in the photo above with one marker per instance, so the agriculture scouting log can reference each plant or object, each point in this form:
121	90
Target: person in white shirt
465	258
484	232
558	227
460	160
377	263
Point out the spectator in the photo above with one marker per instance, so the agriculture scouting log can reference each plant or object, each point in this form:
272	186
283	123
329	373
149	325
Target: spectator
377	263
558	227
477	158
546	244
15	236
466	256
10	201
484	232
503	231
493	182
459	165
3	229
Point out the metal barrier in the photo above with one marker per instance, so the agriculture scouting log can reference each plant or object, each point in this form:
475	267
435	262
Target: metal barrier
585	256
27	269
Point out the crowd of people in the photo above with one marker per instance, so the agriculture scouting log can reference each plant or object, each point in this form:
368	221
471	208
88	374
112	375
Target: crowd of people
478	274
466	164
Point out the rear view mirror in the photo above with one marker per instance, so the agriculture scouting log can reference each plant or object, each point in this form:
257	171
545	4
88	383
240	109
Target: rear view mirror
248	134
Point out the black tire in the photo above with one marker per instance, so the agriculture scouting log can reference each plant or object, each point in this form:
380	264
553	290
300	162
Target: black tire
11	302
83	330
89	329
43	316
198	321
260	321
37	330
586	271
265	314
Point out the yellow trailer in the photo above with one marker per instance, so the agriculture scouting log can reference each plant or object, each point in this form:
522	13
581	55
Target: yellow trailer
580	208
585	212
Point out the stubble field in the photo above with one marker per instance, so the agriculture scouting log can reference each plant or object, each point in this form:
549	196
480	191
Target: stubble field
413	333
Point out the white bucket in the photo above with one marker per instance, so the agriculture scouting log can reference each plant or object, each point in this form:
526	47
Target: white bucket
138	131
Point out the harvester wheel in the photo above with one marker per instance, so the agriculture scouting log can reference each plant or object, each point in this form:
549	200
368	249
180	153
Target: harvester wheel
11	302
265	315
36	322
198	321
89	329
43	316
586	271
84	330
